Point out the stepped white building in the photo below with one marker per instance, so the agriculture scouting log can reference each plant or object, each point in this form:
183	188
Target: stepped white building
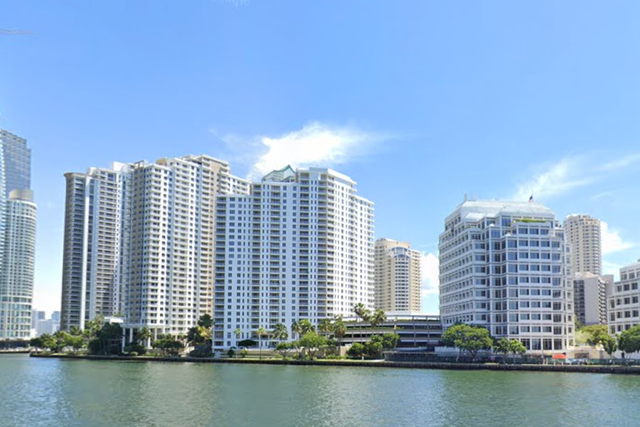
397	276
505	266
300	246
139	240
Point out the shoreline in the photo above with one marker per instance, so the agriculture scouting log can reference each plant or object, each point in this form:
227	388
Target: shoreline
591	369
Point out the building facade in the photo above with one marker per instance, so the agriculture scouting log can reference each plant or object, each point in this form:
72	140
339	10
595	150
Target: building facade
624	301
16	280
17	230
397	276
300	246
505	266
584	235
590	293
139	241
94	233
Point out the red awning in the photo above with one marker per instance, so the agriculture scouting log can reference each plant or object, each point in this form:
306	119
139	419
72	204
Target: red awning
559	356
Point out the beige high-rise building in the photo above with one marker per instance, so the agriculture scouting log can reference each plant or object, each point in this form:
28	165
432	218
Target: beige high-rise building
583	234
397	276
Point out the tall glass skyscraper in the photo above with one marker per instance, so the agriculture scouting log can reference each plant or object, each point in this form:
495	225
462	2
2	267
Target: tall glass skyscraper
17	230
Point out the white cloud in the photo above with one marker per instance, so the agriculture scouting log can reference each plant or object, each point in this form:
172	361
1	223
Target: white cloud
316	144
622	163
554	180
611	240
430	275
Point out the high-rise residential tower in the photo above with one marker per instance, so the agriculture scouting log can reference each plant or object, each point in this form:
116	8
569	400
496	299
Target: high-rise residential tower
300	246
397	276
94	234
17	229
505	266
583	234
139	240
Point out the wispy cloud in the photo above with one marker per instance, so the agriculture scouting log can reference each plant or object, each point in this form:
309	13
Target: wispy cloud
611	240
430	275
553	180
622	162
316	144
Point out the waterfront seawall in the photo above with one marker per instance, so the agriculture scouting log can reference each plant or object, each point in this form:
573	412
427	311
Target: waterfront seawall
614	369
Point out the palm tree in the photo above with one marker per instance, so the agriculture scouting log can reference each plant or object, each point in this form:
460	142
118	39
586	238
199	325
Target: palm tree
295	328
261	331
378	317
305	326
280	332
325	326
361	311
237	332
339	329
144	335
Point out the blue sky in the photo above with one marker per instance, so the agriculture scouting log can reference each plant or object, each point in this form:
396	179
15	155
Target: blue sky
420	102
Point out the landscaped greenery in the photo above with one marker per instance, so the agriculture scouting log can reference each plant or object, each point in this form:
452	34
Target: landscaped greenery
467	338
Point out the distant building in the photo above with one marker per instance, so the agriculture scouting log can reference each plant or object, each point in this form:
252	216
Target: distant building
397	276
590	293
584	235
505	266
17	162
624	301
37	315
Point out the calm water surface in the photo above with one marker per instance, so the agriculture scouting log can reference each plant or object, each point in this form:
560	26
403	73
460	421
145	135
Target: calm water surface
51	392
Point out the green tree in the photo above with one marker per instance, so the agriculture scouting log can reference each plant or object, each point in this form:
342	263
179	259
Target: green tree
609	345
390	340
284	348
295	328
362	312
502	347
75	331
238	333
92	327
595	334
356	350
261	332
206	321
107	340
311	342
339	329
143	336
74	341
168	344
629	340
467	338
280	332
325	326
516	347
373	348
378	317
305	326
61	340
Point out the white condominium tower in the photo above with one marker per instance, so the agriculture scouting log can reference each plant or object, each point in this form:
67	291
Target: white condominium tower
583	233
17	234
16	281
93	244
505	266
139	240
397	276
300	246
